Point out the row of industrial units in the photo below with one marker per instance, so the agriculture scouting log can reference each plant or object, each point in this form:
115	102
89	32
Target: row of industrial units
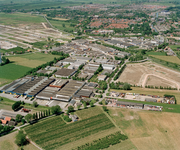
49	88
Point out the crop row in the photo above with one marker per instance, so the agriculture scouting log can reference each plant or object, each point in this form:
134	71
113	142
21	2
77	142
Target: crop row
104	142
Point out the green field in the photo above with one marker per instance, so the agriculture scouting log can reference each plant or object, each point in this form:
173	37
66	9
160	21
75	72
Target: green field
157	53
12	71
7	105
32	60
53	132
19	18
90	112
59	25
174	47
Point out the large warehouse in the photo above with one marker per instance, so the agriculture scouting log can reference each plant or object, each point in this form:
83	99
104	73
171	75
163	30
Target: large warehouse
27	86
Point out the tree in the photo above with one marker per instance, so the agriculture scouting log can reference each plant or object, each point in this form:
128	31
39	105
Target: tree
18	117
92	104
34	116
35	104
126	86
28	117
70	109
16	105
84	104
55	109
79	106
21	139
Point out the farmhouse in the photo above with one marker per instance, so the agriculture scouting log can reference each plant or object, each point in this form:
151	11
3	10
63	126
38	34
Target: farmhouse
65	72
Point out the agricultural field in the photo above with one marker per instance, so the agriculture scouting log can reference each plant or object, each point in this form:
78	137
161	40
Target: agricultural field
149	130
32	60
12	71
148	91
7	142
53	132
139	74
172	59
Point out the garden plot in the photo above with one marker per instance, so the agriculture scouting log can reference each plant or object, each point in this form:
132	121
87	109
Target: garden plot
149	73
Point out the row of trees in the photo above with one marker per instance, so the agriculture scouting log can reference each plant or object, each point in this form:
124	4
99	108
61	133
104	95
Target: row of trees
120	71
120	86
100	68
160	87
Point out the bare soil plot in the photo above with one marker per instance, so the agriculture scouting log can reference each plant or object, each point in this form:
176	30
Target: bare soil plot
60	19
137	74
156	81
149	130
7	142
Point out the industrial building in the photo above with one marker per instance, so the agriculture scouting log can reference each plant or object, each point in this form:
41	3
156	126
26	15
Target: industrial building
27	86
65	72
69	90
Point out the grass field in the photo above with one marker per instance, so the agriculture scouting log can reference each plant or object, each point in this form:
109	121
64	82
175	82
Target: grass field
59	25
157	53
53	132
19	18
12	71
174	47
152	91
90	112
172	59
7	142
149	130
7	104
32	60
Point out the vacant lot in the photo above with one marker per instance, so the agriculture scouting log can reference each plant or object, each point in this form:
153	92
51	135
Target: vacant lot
53	132
149	130
7	142
172	59
152	80
138	74
147	91
12	71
